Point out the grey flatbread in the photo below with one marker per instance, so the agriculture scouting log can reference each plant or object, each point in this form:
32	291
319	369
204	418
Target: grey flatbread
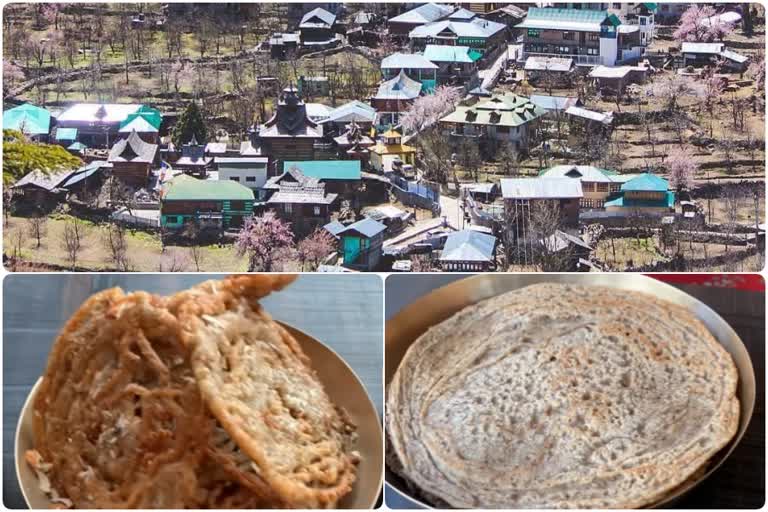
556	396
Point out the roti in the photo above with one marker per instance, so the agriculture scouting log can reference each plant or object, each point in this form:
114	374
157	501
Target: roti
260	386
561	396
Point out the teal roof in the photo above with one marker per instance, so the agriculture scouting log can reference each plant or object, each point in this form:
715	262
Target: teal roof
187	188
572	15
149	114
667	202
28	118
328	169
446	53
647	182
77	146
66	134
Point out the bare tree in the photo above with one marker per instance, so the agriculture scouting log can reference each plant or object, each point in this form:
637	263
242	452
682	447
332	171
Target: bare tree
72	240
506	156
36	226
173	261
434	155
18	238
552	251
734	199
116	244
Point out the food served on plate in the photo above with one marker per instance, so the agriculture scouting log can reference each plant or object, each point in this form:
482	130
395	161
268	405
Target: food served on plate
199	400
555	396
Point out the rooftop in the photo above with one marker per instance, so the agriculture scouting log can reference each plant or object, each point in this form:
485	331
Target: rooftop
577	20
601	117
98	112
133	149
541	188
45	180
553	102
477	28
187	188
501	110
448	53
401	87
354	111
583	172
539	63
407	61
318	17
646	182
28	118
423	14
328	169
468	245
614	72
366	227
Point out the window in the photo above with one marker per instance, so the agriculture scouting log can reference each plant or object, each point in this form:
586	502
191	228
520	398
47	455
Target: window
317	211
171	219
616	5
237	205
569	36
250	179
664	7
288	208
593	36
593	51
643	20
234	178
534	32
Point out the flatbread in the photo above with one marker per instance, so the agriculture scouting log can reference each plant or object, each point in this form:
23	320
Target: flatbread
118	413
560	396
260	386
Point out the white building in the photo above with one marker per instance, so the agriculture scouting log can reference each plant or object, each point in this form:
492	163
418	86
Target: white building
248	171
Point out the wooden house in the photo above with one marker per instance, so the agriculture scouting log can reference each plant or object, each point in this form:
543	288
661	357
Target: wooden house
132	160
340	176
644	194
597	185
415	66
305	206
361	244
354	144
390	153
521	194
41	190
289	134
457	65
468	251
480	34
394	97
193	159
218	205
611	81
402	24
317	27
97	124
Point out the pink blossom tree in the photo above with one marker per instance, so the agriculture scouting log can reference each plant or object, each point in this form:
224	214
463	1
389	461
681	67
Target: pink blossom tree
12	75
671	87
711	89
700	23
428	109
265	240
682	168
315	247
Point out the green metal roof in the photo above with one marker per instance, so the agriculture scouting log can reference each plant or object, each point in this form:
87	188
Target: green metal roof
28	118
646	182
66	134
77	146
149	114
446	53
614	20
667	202
328	169
573	15
187	188
651	6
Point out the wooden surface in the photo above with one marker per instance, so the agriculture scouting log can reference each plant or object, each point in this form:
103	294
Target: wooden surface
344	311
740	481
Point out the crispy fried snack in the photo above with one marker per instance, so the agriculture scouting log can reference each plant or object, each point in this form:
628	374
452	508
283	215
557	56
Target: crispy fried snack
259	385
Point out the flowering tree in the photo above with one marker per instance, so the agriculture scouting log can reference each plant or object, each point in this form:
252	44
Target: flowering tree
12	74
264	240
711	89
682	168
427	110
315	247
701	24
671	88
756	71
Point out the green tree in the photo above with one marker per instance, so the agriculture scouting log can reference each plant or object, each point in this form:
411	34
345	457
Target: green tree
190	124
20	157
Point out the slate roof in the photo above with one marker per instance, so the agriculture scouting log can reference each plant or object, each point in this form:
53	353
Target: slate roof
423	14
90	112
401	87
646	182
33	119
327	169
540	188
275	182
553	102
468	245
477	28
366	227
462	14
577	20
133	149
324	19
501	110
355	110
447	53
291	119
407	61
187	188
45	180
294	193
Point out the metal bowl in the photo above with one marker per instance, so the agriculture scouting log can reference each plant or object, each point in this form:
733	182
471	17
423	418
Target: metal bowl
413	320
342	385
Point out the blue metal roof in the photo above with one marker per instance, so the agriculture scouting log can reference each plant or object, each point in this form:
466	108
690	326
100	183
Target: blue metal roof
646	182
366	227
468	245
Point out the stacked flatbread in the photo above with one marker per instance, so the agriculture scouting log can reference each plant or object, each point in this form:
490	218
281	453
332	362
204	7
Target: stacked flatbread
557	396
200	400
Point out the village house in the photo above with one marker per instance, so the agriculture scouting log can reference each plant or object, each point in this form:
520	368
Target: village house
391	216
300	200
283	44
521	194
549	72
505	117
393	97
589	37
391	154
87	180
219	149
97	124
289	134
65	136
614	80
468	251
415	66
317	28
356	112
597	184
146	121
354	144
509	15
41	190
31	120
645	194
361	244
341	177
313	86
707	54
456	65
555	103
402	24
249	171
218	205
480	34
132	160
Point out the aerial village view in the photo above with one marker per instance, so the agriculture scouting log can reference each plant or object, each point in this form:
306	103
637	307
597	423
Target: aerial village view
404	137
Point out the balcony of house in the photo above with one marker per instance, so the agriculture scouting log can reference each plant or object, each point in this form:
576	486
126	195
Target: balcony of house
578	59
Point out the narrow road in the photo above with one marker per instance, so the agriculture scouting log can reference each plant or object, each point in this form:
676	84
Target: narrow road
450	209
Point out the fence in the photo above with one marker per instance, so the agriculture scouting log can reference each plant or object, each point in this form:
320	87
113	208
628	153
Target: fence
416	194
124	216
